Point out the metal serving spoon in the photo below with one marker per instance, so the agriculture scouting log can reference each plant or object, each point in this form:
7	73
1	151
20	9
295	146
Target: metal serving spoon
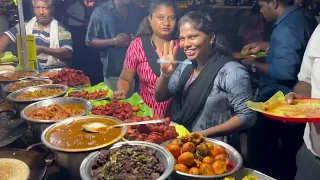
97	127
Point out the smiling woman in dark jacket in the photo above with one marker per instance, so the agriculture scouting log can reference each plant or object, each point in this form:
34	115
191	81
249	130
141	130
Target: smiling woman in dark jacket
210	93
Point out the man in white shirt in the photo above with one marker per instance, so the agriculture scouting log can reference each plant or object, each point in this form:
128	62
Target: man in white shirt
308	157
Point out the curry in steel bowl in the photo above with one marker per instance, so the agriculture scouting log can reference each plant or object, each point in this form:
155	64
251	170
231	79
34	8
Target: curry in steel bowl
68	135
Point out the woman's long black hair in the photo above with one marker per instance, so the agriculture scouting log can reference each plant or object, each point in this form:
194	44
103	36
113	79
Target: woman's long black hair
203	22
145	28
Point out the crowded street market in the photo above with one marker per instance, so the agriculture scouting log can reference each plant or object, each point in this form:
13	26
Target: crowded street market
159	89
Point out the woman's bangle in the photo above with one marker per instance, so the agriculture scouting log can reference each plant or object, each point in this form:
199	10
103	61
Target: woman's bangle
164	75
115	42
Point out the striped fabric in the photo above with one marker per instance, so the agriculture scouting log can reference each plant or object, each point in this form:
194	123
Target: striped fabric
43	38
136	60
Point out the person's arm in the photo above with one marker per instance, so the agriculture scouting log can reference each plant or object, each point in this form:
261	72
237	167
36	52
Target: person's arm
166	84
310	57
238	87
303	89
255	47
285	62
263	45
101	43
64	52
285	54
60	53
4	42
162	91
94	37
8	37
125	80
129	69
169	77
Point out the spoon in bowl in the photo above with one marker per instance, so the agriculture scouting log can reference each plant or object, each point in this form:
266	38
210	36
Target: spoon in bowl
97	127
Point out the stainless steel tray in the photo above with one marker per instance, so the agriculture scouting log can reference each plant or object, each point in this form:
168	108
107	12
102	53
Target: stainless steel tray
13	96
5	88
239	175
60	101
164	156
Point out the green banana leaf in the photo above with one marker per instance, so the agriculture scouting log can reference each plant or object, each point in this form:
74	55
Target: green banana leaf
260	55
100	86
134	100
8	57
257	55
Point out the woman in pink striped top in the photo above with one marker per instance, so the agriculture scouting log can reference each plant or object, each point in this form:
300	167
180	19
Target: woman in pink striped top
141	58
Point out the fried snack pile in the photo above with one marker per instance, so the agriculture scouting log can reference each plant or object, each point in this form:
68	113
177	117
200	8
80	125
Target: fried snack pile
56	112
15	75
117	109
39	94
84	94
196	156
24	84
245	51
155	133
70	78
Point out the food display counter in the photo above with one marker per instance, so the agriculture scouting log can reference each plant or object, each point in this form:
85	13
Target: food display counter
47	112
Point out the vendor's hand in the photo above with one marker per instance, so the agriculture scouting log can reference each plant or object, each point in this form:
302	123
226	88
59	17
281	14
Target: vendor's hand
289	99
119	95
40	49
169	53
291	96
252	48
123	40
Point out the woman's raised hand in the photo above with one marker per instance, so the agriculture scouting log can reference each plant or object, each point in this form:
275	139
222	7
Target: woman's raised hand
169	53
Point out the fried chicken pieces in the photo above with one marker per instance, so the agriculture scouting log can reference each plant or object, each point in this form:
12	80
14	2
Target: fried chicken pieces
117	109
84	94
70	78
155	133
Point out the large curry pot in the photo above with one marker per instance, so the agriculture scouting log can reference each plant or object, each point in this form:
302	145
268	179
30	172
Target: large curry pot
70	159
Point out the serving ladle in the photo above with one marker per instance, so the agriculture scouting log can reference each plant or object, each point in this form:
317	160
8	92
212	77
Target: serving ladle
97	127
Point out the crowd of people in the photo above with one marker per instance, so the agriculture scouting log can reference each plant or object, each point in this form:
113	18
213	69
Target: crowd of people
199	84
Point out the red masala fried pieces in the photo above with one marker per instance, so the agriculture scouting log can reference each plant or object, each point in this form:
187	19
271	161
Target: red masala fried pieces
117	109
70	78
155	133
84	94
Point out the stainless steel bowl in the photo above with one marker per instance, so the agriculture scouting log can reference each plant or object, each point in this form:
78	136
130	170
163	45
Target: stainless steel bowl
13	96
164	156
60	101
38	126
234	156
5	88
70	159
35	72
